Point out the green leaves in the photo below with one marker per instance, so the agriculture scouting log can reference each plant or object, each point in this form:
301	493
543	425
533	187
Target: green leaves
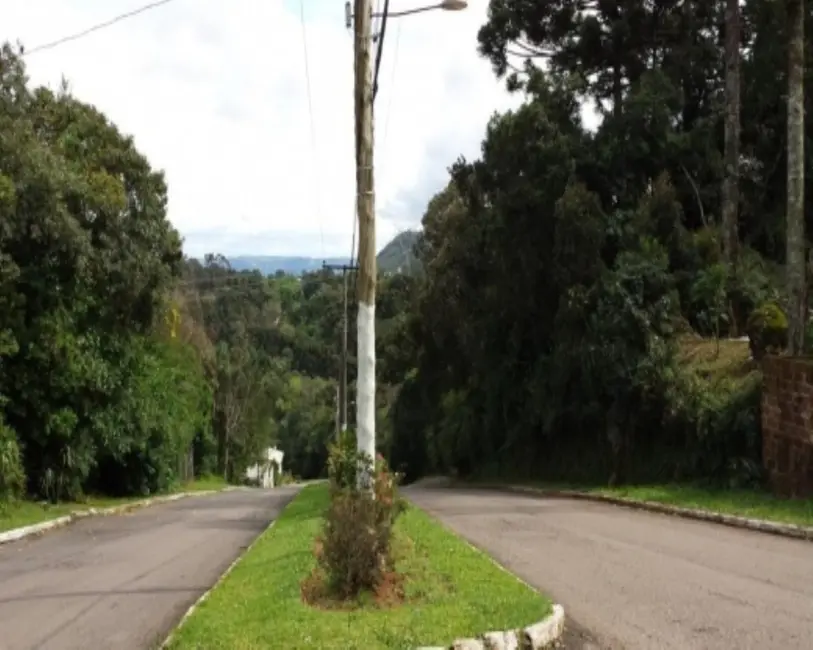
86	256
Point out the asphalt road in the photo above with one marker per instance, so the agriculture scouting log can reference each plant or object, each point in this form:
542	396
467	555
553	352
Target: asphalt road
642	581
122	582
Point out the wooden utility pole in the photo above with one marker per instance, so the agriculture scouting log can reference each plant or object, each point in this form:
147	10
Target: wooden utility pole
365	206
341	425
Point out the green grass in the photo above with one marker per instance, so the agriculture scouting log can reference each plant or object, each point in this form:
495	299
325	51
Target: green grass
755	504
452	591
204	483
25	513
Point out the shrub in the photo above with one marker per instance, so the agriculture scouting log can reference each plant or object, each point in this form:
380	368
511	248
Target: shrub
12	477
715	426
708	299
354	551
286	478
342	462
767	330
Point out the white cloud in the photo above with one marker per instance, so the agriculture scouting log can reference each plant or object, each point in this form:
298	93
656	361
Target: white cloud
215	94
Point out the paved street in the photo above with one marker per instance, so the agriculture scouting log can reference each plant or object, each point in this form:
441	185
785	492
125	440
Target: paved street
123	582
642	581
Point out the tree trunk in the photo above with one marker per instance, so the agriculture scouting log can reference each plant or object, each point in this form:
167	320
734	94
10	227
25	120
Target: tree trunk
731	188
795	226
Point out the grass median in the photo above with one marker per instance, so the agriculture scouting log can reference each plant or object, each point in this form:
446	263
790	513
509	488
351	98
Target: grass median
452	591
26	513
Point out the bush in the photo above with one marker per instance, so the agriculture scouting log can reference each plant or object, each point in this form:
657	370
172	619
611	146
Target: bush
12	476
286	478
342	462
354	551
767	330
716	428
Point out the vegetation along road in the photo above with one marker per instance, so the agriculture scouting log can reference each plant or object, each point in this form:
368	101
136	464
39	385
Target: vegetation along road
124	581
642	581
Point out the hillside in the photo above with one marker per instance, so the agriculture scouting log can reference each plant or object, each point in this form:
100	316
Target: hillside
396	257
399	255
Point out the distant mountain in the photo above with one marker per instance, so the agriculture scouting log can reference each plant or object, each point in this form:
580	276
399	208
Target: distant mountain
399	255
396	257
270	264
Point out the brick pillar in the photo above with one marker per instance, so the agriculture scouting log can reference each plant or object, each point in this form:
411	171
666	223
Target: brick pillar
787	424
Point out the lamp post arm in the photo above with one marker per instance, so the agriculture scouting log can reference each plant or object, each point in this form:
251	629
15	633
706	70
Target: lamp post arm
408	12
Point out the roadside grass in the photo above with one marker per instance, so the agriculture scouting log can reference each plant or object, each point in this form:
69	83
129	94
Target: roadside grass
754	504
452	591
715	361
25	513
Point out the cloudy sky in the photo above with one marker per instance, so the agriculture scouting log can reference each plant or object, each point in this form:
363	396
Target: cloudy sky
215	93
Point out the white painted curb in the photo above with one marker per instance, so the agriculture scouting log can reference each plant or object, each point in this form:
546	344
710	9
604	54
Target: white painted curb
225	575
16	534
539	636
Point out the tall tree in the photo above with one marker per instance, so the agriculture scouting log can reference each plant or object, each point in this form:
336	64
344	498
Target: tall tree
795	234
731	187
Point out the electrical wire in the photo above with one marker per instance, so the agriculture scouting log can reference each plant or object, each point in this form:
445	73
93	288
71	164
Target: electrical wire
310	113
96	28
380	50
388	114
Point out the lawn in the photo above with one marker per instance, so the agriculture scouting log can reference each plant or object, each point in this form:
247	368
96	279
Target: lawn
755	504
26	513
452	591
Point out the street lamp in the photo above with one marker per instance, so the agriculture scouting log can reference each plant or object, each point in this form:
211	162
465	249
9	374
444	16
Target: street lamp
445	5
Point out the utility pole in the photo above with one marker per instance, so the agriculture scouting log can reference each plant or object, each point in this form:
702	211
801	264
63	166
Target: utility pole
341	425
362	18
365	206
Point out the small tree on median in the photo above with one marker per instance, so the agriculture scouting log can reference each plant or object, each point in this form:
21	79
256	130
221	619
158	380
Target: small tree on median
354	551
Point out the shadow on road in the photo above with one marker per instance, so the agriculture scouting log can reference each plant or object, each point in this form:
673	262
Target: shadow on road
252	525
151	591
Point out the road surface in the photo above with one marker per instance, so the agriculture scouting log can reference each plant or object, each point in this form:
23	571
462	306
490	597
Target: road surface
642	581
122	582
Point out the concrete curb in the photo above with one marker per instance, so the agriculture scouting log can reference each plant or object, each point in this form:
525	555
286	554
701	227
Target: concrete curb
539	636
758	525
205	595
16	534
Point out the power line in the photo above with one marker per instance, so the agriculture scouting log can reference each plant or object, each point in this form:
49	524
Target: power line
96	28
380	51
310	113
396	49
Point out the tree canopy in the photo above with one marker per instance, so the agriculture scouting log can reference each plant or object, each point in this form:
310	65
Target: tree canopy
562	282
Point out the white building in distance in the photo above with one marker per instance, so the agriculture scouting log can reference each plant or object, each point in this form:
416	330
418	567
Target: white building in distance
265	473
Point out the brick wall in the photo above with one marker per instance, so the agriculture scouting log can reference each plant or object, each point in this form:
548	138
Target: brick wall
787	424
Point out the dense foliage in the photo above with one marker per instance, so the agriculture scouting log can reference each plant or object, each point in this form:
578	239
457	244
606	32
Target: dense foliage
541	328
95	396
565	268
125	369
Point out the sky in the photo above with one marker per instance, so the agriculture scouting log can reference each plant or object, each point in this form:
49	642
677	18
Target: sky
215	93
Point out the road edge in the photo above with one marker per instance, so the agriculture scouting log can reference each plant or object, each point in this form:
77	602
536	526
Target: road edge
205	595
794	531
16	534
